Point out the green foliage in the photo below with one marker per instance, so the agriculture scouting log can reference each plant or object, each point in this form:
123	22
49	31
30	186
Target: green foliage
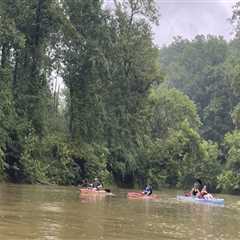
117	120
188	157
169	108
176	154
6	115
228	182
236	116
229	179
232	145
236	18
48	160
93	160
200	68
108	82
32	168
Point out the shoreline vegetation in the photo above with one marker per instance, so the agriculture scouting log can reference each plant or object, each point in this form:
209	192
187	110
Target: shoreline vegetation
129	113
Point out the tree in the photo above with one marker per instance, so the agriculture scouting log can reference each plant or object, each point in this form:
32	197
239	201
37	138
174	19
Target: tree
169	108
229	179
176	153
200	69
236	18
108	77
134	69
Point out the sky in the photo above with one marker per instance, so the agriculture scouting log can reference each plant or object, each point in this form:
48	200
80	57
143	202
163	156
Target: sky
187	18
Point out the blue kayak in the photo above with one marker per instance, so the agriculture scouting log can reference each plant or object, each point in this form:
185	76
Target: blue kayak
217	201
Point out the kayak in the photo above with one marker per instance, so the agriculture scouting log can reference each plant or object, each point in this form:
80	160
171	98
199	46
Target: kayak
140	195
92	191
217	201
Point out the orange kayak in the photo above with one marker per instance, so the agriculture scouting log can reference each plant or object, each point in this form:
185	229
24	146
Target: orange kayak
92	191
140	195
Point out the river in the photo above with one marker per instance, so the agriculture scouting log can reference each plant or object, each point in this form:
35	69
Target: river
60	213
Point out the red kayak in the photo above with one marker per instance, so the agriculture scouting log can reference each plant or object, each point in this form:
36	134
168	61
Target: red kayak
140	195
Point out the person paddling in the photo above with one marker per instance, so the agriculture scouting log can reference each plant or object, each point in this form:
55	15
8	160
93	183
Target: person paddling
195	190
204	193
148	190
97	184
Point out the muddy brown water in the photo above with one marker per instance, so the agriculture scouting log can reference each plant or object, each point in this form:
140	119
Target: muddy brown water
61	213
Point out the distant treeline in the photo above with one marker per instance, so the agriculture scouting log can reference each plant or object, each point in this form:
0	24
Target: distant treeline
130	113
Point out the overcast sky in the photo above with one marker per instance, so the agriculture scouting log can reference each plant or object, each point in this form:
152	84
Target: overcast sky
188	18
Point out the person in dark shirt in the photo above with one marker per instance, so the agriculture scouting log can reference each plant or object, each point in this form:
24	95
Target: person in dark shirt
97	184
195	190
148	190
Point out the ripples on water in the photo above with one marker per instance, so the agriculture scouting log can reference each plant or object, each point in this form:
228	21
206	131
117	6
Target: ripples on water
56	213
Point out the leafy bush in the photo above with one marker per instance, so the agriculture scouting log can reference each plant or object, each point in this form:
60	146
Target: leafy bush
93	160
48	160
228	182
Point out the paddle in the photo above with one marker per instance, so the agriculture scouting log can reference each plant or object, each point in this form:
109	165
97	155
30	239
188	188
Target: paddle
107	190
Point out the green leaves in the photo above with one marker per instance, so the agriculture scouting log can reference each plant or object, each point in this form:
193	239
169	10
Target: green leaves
109	73
177	153
119	119
236	18
236	116
139	8
228	182
170	108
201	69
48	160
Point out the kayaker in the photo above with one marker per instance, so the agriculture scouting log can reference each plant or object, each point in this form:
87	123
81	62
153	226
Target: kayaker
204	193
195	190
97	184
148	190
85	183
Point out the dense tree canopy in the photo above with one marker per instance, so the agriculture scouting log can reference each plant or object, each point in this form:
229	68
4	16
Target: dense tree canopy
130	113
200	68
